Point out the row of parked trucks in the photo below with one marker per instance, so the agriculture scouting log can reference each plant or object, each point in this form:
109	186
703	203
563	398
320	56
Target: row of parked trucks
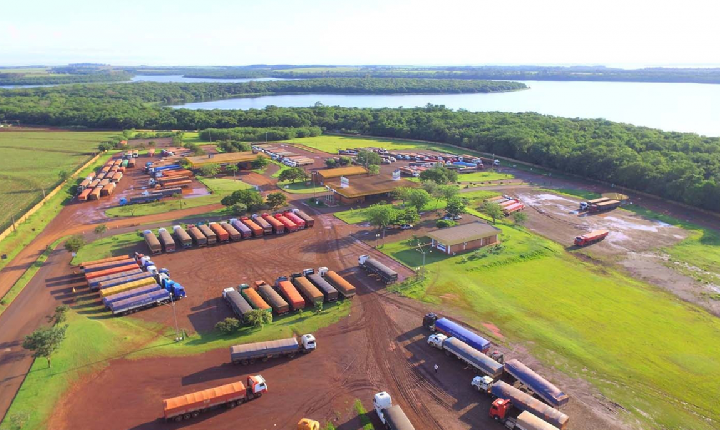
514	407
128	284
103	183
298	291
509	205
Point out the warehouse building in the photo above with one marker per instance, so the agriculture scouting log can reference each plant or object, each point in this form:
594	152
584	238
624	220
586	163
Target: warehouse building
359	188
463	238
325	175
241	159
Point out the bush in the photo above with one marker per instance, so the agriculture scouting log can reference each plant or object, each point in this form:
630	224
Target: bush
442	223
228	325
74	243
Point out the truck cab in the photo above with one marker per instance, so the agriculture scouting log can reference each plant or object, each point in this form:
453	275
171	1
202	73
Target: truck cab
308	272
308	342
482	383
256	386
429	321
362	259
322	271
308	424
500	409
382	401
226	291
436	340
584	206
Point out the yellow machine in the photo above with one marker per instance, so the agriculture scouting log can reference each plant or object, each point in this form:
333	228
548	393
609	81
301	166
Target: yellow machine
308	424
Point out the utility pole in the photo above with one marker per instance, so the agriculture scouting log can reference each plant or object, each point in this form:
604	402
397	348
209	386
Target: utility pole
421	250
178	338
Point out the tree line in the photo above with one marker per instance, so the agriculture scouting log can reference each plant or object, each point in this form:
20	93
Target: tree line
257	134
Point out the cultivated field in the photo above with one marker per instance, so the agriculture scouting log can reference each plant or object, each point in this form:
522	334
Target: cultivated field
331	143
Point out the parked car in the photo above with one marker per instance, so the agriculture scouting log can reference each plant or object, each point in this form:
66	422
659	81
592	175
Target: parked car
406	227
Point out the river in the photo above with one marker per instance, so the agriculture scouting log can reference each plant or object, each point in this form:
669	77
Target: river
672	107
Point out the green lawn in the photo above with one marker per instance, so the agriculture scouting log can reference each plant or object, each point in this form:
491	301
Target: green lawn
483	176
332	143
642	347
194	137
300	188
109	246
224	185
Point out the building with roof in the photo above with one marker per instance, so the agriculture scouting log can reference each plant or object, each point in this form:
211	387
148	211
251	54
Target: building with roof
463	238
241	159
323	175
358	188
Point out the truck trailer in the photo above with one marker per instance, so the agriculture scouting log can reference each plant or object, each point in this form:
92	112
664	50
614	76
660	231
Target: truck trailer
96	283
109	291
453	329
103	260
330	293
208	233
290	294
590	238
252	297
278	304
289	225
466	353
312	295
138	303
296	219
130	293
508	397
182	236
107	265
309	221
604	206
371	265
527	421
341	285
585	205
266	226
167	240
229	395
257	231
237	303
121	280
249	352
277	226
542	388
235	235
222	234
152	242
244	230
392	416
112	270
198	237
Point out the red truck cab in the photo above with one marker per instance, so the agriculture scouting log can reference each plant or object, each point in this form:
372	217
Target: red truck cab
500	409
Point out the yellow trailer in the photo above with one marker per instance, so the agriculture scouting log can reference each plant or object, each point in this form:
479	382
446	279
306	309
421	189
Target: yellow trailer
127	286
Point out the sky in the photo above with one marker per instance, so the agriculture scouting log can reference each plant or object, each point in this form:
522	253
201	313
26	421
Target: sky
627	33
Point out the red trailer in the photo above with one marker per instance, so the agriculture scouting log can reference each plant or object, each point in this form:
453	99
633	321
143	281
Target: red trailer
296	219
592	237
289	225
256	229
513	208
291	295
507	203
83	197
222	234
277	226
110	271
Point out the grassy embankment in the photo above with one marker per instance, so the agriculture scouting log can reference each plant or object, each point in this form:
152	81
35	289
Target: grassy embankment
642	347
220	188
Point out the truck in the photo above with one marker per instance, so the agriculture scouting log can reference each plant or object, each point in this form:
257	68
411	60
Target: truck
392	416
95	283
89	268
290	293
266	226
289	225
139	199
84	195
237	303
278	304
152	242
516	207
292	216
604	206
330	293
247	353
594	236
341	285
167	240
540	386
244	230
221	233
312	295
198	237
120	280
235	235
130	293
208	233
95	193
228	395
371	265
182	236
466	353
453	329
103	260
509	397
585	205
527	421
254	298
110	271
309	221
277	226
127	286
257	231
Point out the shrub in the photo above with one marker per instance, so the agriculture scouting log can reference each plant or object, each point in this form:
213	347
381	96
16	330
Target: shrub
227	326
443	223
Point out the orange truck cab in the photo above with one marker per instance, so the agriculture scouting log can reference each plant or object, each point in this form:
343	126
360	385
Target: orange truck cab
500	409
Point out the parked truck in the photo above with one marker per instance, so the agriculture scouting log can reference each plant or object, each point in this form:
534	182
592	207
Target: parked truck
140	198
266	226
221	233
252	297
516	207
244	230
371	265
526	421
237	303
466	353
529	380
590	238
249	352
292	216
130	293
208	233
120	280
604	206
103	260
95	283
392	416
289	225
509	397
278	304
312	295
453	329
330	293
198	237
585	205
235	235
309	221
290	293
341	285
107	265
182	236
110	271
228	395
152	242
257	231
167	240
277	226
127	286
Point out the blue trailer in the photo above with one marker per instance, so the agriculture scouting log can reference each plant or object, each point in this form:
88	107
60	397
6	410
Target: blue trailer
134	304
152	170
95	282
536	383
132	293
452	329
464	164
123	280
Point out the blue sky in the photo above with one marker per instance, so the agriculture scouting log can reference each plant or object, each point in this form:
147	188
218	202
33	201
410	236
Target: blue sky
224	32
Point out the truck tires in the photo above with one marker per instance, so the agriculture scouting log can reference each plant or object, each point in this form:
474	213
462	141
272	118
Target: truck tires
195	414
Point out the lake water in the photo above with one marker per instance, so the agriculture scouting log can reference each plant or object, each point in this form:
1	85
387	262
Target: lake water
671	107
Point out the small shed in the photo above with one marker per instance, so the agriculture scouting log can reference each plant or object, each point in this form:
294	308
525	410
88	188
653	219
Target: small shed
463	238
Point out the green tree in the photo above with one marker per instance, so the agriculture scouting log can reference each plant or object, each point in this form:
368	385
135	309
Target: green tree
401	193
443	223
439	174
430	187
380	215
60	315
227	326
368	158
408	216
455	206
318	308
373	169
151	144
45	341
331	162
276	200
211	169
260	162
105	146
74	243
100	229
293	174
448	192
63	175
418	199
520	218
345	161
258	317
238	209
232	168
250	198
493	210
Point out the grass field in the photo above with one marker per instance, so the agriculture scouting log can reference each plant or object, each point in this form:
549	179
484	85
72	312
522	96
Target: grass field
194	137
642	347
32	162
109	246
321	69
332	143
300	188
483	177
37	71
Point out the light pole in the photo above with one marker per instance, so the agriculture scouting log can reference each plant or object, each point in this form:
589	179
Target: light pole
421	250
377	240
178	338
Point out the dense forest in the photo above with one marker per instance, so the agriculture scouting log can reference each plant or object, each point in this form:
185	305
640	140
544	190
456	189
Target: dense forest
680	166
62	76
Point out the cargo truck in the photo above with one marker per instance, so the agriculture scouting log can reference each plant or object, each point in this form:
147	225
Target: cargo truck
181	183
168	243
509	397
392	416
341	285
508	202
266	226
507	210
103	260
139	199
107	190
309	221
468	354
84	195
257	231
312	295
222	234
95	283
277	226
228	395
95	193
290	293
245	232
130	293
208	233
182	236
138	303
330	293
113	270
249	352
152	242
254	298
371	265
237	303
527	421
89	268
585	205
453	329
296	219
127	286
235	235
120	280
278	304
289	225
604	206
590	238
538	385
198	237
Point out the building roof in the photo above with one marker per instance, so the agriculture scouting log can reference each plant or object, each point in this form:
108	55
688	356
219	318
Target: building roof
463	233
361	186
223	158
341	171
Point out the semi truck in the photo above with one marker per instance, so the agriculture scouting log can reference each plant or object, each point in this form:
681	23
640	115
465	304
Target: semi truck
527	421
590	238
296	219
540	386
453	329
585	205
182	236
249	352
466	353
254	298
235	235
237	303
371	265
266	226
221	233
392	416
208	233
120	280
198	237
312	295
167	240
341	285
137	283
278	304
309	221
289	225
604	206
138	303
290	293
277	226
244	230
110	271
229	395
257	231
330	293
131	293
509	397
140	198
152	242
95	283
